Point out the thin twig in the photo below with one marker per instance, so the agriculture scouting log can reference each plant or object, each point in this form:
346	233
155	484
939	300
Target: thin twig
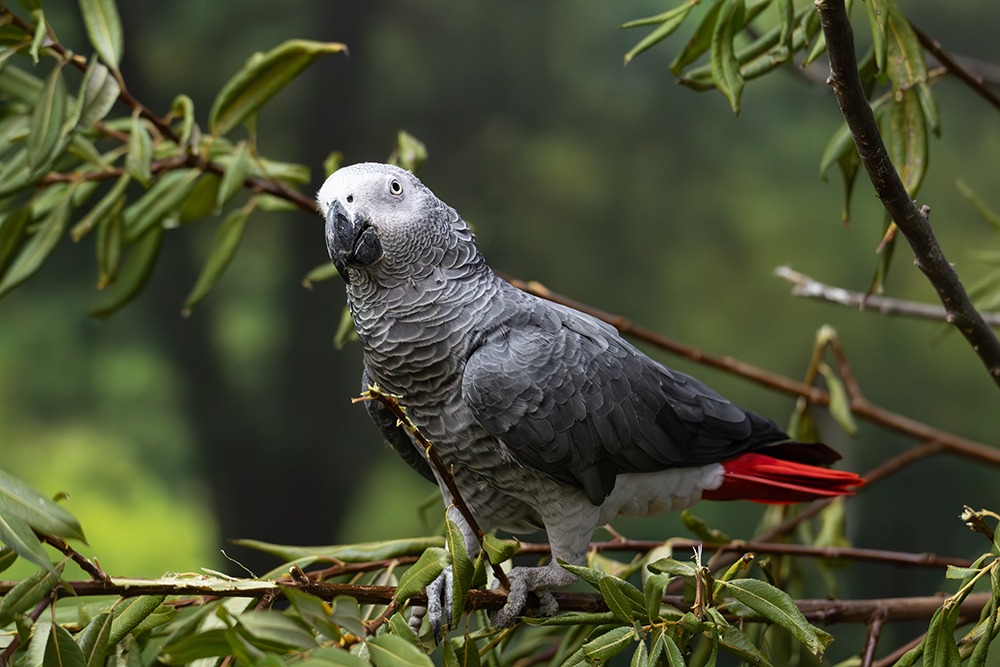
444	472
809	288
913	222
871	638
973	80
85	563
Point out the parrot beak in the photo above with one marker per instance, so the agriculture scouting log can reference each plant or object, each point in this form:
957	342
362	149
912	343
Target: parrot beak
350	242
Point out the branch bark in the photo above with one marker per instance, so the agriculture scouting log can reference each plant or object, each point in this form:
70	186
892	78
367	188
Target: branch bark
809	288
913	222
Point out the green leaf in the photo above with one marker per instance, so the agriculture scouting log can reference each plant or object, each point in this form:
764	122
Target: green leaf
272	630
183	109
263	75
325	271
28	592
672	653
94	639
410	153
701	530
41	32
112	199
47	120
129	613
653	592
18	535
608	645
98	93
139	160
840	403
668	21
165	197
466	651
424	571
573	618
940	649
61	650
19	500
109	245
499	550
877	15
104	28
462	569
13	226
227	240
725	65
335	657
700	41
7	558
907	139
737	643
988	214
349	553
673	567
190	647
391	651
134	274
776	606
616	599
236	172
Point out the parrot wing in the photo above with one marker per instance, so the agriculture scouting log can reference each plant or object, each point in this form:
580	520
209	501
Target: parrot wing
565	394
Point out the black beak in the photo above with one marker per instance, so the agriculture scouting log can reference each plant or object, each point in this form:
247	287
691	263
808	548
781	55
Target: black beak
350	242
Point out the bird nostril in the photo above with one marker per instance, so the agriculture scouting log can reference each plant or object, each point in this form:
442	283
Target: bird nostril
350	198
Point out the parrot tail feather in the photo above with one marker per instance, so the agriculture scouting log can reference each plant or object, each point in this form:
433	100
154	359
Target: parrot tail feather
765	479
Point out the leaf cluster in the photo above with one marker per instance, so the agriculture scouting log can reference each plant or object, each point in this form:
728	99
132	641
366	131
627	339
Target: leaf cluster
79	155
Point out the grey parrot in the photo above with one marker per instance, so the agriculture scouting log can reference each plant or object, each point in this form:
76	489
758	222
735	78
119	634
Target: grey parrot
549	418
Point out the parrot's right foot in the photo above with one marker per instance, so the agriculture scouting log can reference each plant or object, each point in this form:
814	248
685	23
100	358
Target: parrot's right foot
537	580
438	609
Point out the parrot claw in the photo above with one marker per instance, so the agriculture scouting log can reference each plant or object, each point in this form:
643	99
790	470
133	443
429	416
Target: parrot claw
438	609
537	580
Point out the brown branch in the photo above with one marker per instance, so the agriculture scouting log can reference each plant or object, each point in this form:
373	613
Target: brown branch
914	223
860	407
816	611
871	638
809	288
85	564
444	472
973	80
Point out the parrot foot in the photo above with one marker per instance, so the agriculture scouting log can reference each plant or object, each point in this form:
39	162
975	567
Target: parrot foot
537	580
438	609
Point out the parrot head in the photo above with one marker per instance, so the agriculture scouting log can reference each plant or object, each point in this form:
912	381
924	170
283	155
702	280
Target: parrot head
376	214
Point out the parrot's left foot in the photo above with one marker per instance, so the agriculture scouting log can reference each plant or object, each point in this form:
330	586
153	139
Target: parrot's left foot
438	609
537	580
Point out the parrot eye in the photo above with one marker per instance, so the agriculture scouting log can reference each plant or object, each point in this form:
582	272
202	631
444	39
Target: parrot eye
395	188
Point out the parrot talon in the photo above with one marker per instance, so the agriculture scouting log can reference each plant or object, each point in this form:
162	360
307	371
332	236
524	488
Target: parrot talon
537	580
438	609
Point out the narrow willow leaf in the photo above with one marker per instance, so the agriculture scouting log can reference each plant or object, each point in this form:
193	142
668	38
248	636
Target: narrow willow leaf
786	15
196	646
129	613
20	85
104	28
13	226
725	66
653	592
236	173
641	656
697	526
616	600
573	618
673	567
47	120
27	593
164	198
98	93
317	613
462	569
114	197
183	109
466	651
37	249
499	550
227	240
700	41
95	638
346	331
424	571
325	271
905	64
200	200
19	536
877	15
907	140
61	650
387	650
840	402
139	160
261	78
41	32
349	553
410	153
988	214
940	649
608	645
109	245
734	641
7	558
134	274
981	651
668	24
776	606
272	630
671	652
19	500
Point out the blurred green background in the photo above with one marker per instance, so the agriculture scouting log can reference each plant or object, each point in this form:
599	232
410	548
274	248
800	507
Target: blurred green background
610	184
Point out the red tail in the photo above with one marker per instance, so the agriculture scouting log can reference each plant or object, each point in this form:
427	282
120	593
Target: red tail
765	479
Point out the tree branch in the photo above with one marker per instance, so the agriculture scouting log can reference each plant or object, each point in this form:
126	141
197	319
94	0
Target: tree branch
914	223
973	80
810	288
